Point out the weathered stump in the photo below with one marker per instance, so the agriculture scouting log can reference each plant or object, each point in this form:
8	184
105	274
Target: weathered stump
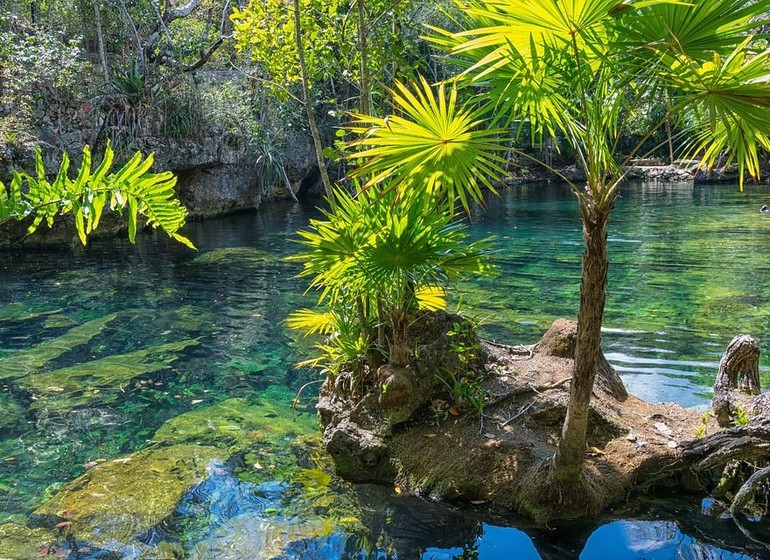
737	380
561	339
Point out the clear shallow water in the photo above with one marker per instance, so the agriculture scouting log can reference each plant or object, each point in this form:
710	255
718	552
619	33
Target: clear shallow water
689	271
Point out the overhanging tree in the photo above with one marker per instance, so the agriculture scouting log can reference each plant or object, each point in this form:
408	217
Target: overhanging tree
577	68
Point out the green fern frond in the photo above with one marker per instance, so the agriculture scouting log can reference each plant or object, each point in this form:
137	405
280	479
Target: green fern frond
132	187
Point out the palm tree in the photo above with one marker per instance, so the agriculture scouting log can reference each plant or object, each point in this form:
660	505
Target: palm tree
576	69
377	258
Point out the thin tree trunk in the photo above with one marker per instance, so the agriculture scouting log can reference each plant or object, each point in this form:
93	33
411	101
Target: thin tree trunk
670	137
568	461
100	41
363	66
309	106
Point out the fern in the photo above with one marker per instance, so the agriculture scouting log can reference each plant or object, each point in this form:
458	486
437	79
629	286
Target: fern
132	188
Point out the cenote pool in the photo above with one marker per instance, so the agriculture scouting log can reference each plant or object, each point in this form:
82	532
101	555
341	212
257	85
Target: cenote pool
166	377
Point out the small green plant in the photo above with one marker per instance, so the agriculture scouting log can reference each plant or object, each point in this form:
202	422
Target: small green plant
465	391
741	416
704	422
464	344
345	344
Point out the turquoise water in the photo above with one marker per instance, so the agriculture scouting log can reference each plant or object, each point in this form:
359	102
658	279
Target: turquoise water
689	271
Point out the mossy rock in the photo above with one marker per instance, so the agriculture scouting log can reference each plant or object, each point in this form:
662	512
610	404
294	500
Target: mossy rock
12	415
66	388
21	312
243	256
238	423
18	542
118	500
59	321
19	364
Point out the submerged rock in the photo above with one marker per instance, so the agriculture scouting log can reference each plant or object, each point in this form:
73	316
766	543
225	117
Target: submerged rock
243	256
82	384
238	424
21	363
12	414
120	499
19	542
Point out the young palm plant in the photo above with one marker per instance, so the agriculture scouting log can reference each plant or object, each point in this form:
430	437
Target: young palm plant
577	68
378	257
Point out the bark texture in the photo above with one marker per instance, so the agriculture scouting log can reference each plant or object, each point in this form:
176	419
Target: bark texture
737	380
568	461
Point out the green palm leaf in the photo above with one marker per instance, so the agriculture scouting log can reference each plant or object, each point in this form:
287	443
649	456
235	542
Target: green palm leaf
436	144
132	187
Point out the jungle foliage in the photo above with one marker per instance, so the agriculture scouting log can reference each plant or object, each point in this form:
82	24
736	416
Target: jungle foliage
132	188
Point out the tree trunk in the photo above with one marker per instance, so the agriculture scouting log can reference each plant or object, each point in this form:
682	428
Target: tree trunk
309	107
398	355
737	380
568	461
100	41
365	106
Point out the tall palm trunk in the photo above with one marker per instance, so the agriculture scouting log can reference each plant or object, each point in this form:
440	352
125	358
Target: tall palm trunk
568	462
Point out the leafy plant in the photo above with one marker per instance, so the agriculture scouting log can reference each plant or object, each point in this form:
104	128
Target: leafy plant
741	416
465	391
384	256
131	188
345	345
576	69
703	426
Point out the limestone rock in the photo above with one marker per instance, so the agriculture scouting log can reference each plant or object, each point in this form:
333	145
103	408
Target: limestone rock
109	503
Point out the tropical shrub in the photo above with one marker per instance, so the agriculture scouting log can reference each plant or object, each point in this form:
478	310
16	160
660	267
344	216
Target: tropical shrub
376	258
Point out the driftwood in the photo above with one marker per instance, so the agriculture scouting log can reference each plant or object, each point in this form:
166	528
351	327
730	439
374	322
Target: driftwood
737	380
726	450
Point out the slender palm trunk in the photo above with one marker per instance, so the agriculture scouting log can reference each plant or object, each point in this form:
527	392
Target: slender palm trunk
568	462
309	106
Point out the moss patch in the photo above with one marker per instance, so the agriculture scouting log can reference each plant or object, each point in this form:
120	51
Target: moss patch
120	499
19	364
73	386
240	255
12	414
21	312
18	542
238	423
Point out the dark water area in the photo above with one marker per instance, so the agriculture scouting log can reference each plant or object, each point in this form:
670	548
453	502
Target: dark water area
101	347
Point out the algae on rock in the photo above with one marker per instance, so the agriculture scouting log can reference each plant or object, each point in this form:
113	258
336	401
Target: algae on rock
241	255
18	542
12	414
66	388
120	499
17	364
239	423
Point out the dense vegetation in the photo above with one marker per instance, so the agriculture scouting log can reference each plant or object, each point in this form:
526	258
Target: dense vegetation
603	83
